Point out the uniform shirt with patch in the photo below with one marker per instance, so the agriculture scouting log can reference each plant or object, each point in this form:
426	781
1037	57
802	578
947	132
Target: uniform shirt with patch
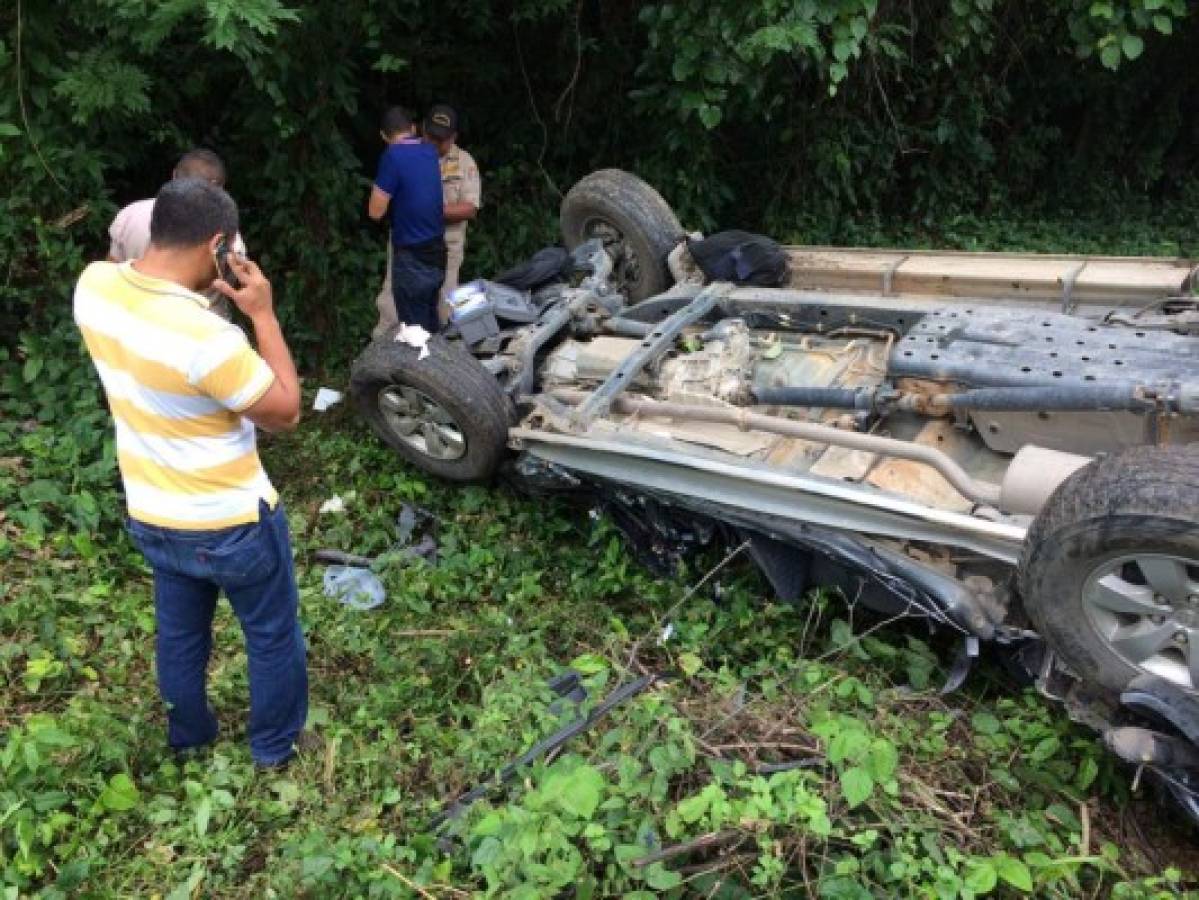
178	378
460	183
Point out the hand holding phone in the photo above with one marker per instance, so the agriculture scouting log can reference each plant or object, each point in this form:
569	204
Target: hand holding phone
250	290
224	270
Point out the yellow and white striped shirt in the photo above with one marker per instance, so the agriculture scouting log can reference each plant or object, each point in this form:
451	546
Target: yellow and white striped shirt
178	378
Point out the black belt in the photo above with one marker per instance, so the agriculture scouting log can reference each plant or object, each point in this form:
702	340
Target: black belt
430	253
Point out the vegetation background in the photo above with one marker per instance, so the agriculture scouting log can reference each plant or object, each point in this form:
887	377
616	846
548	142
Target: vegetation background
1007	124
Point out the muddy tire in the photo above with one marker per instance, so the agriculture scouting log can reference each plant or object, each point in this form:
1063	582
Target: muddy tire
445	413
637	226
1110	570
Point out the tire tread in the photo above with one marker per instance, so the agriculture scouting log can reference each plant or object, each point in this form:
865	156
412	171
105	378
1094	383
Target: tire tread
1140	495
644	217
452	377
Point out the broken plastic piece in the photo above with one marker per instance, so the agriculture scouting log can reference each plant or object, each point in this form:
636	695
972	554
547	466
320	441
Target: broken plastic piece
355	587
405	524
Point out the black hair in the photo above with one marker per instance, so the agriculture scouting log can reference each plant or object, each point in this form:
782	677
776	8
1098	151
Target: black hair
201	163
189	211
395	120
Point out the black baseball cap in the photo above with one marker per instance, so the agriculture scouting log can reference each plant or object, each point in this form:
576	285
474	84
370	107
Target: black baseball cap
441	122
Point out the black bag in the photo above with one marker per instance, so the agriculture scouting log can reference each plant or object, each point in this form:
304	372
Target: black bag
548	266
742	258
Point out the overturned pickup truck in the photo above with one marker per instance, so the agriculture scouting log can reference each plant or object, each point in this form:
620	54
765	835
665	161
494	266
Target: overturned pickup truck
1002	444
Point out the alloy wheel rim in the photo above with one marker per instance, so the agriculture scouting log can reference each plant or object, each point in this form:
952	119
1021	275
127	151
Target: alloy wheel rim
1145	607
421	423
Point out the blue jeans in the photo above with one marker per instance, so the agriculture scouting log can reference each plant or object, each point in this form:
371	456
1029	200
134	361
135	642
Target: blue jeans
415	287
252	564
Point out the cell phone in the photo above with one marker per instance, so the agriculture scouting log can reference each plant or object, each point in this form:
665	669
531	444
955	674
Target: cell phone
224	270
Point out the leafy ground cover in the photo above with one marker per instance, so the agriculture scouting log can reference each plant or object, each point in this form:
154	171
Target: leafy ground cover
687	790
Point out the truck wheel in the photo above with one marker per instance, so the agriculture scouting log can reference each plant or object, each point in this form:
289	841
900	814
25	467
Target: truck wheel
445	413
637	226
1110	570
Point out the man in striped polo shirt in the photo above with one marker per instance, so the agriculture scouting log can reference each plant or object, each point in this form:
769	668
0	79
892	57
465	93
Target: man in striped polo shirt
186	391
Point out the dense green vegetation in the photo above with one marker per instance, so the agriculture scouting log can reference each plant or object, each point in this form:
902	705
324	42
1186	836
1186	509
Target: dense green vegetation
1068	125
841	121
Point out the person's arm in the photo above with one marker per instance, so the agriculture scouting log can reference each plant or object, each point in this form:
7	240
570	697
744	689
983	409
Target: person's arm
376	206
278	409
471	196
387	180
460	212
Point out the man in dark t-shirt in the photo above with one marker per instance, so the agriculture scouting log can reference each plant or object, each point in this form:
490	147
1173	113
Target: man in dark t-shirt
408	188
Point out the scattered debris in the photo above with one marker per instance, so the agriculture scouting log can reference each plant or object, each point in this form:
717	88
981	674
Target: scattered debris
340	558
325	398
410	518
414	336
334	504
455	808
406	524
569	689
354	586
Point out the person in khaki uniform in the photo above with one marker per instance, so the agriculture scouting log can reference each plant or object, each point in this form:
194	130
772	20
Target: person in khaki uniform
461	187
463	193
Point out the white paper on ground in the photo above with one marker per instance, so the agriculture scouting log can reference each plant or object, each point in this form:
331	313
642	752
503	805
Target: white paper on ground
326	397
333	505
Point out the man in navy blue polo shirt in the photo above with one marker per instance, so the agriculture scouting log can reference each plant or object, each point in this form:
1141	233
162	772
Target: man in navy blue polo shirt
408	189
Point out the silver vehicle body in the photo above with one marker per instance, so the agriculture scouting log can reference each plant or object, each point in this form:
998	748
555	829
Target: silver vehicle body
891	422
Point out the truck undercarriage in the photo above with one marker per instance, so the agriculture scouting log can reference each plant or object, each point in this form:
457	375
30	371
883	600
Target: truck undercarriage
1002	445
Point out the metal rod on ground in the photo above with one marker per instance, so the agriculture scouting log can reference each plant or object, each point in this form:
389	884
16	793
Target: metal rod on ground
338	557
557	739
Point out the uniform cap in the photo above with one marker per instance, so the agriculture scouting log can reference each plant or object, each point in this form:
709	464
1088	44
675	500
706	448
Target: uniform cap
441	122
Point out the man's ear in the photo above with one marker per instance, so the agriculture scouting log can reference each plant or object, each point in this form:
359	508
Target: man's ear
214	242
